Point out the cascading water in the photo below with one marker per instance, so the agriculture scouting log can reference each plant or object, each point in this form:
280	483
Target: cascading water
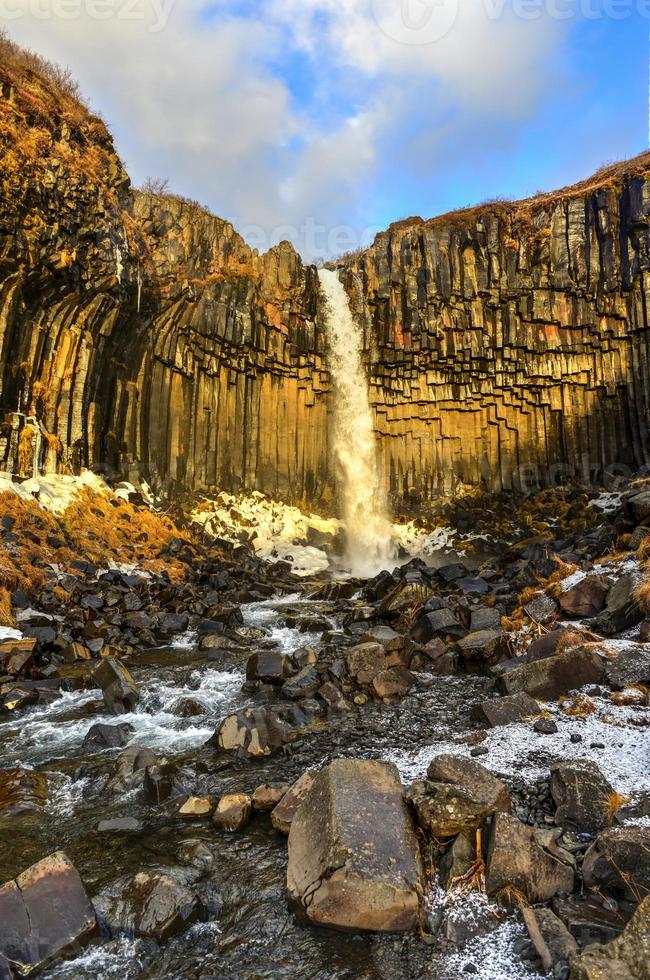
368	530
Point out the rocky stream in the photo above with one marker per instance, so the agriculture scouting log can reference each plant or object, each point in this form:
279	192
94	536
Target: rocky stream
164	737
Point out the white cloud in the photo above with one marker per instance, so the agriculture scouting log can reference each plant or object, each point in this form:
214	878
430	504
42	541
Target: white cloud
208	100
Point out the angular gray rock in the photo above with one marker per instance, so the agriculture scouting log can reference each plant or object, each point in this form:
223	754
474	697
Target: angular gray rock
44	912
354	861
528	860
118	687
618	862
582	796
553	676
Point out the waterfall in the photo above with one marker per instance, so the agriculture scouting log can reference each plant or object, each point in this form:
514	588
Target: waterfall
368	530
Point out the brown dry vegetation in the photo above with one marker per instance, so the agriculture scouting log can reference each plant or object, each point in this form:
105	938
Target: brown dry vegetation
521	213
44	125
94	528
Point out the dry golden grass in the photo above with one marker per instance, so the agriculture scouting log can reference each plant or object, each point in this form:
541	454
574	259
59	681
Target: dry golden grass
613	804
6	615
643	594
26	449
92	529
578	707
511	897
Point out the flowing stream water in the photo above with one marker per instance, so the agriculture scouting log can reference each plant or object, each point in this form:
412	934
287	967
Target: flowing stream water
365	512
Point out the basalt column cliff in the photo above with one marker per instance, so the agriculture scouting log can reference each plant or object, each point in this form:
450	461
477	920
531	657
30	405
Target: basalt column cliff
141	336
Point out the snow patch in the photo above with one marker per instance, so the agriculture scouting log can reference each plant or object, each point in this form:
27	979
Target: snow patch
518	750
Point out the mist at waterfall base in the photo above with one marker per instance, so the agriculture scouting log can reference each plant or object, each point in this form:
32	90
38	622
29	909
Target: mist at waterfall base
369	545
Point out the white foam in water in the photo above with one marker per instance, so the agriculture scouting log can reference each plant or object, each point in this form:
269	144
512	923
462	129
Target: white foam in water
265	615
512	749
8	633
49	732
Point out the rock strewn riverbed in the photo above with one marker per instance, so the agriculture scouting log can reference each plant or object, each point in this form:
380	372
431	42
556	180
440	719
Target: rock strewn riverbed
155	729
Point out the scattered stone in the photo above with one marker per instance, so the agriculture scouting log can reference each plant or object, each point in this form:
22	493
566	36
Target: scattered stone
439	622
129	769
457	859
505	711
549	678
44	913
582	796
588	920
188	708
303	684
269	666
587	598
545	726
527	860
150	904
118	687
196	806
266	797
283	814
394	682
22	792
630	665
100	737
365	661
233	812
354	860
255	731
484	648
458	795
623	610
619	862
542	609
120	825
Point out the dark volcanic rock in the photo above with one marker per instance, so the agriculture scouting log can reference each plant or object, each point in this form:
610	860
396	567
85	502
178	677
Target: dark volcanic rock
581	794
505	711
44	913
619	862
354	861
528	860
553	676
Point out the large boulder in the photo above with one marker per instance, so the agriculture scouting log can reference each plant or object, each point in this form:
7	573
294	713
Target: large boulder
255	731
623	610
354	861
553	676
581	794
505	711
526	861
458	795
118	687
619	862
438	622
150	904
587	598
101	736
626	958
44	912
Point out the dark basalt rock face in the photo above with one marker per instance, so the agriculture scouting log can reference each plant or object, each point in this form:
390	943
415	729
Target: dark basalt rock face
141	336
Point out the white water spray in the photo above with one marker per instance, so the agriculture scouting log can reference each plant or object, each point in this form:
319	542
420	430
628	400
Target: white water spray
368	530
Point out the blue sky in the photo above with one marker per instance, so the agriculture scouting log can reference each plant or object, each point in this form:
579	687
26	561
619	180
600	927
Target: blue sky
325	120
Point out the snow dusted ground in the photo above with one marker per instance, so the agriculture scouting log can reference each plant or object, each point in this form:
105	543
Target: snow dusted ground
613	737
